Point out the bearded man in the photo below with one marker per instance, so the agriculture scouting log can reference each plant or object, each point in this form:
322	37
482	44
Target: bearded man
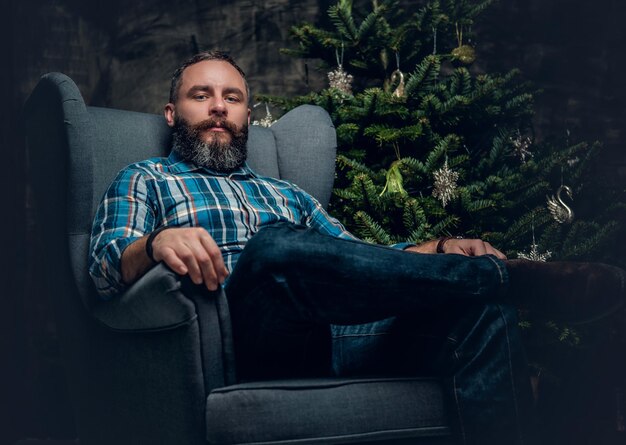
307	297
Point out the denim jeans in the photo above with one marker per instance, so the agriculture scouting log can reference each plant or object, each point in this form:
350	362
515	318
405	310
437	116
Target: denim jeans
306	304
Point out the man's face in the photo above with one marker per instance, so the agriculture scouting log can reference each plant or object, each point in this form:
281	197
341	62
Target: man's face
210	117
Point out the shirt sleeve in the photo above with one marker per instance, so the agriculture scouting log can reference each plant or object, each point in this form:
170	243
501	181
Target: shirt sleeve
123	216
316	217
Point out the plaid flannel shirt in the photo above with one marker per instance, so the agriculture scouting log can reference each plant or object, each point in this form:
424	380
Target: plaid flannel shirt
232	207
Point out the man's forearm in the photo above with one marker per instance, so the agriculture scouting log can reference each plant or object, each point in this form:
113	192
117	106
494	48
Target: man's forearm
135	261
426	247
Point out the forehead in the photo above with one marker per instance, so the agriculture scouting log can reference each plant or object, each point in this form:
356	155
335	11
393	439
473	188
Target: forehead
214	73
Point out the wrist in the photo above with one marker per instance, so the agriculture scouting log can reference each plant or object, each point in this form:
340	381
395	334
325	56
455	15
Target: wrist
150	241
441	242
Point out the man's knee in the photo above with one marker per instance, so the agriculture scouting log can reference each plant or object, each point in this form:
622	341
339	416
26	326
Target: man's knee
272	249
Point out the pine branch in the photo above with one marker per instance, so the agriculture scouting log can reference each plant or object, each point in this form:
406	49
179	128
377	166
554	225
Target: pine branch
480	204
367	28
443	227
341	16
424	76
414	165
447	145
585	239
413	216
420	235
359	167
523	225
347	133
371	230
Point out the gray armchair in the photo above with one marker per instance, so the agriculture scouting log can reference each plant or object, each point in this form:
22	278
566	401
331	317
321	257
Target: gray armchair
155	365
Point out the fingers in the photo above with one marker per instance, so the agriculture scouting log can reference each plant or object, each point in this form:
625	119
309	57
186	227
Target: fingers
169	257
191	251
493	251
476	248
215	259
472	247
199	263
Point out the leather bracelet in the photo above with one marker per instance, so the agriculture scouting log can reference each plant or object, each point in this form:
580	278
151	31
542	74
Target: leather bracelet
443	240
150	240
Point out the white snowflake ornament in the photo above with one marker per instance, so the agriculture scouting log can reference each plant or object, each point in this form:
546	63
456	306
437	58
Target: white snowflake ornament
445	187
340	80
534	254
521	145
267	121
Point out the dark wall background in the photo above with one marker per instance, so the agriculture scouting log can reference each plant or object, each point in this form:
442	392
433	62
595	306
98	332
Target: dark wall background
121	55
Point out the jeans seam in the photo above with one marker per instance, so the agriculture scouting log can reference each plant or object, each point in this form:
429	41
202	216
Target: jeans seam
359	335
458	407
497	267
508	346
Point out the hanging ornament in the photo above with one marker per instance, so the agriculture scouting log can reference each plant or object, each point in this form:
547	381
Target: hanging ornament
534	254
445	184
463	53
395	182
573	161
398	76
338	78
521	145
399	91
558	209
267	121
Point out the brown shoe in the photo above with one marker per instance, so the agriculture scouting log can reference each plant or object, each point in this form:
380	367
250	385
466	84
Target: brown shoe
567	291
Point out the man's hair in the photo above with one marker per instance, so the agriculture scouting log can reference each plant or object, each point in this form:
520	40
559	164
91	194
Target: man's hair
201	57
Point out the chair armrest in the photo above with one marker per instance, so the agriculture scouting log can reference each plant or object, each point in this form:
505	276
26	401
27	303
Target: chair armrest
162	300
156	302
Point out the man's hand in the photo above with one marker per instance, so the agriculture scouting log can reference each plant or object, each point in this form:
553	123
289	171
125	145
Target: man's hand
189	251
467	247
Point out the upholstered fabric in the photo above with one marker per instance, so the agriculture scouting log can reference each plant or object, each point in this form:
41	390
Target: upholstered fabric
312	161
305	410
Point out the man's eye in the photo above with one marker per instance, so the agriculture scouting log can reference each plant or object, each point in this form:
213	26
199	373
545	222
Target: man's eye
232	99
200	97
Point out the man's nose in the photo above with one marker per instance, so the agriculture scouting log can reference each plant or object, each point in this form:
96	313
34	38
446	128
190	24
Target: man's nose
218	107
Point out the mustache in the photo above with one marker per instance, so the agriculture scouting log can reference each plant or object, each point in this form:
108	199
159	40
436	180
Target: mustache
211	123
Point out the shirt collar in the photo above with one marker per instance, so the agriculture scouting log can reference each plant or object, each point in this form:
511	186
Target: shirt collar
176	164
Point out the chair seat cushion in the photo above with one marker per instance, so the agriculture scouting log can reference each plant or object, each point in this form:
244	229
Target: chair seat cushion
336	410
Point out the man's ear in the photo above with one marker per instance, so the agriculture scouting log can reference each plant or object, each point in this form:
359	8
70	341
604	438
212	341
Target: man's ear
170	112
248	117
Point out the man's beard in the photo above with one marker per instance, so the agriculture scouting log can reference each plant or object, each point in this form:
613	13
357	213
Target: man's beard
216	155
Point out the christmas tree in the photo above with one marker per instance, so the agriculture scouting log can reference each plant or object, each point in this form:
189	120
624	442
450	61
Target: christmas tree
428	147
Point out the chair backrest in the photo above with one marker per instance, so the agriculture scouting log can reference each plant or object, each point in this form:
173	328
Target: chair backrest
75	151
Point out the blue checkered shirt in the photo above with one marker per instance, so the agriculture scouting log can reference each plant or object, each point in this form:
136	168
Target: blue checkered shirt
232	207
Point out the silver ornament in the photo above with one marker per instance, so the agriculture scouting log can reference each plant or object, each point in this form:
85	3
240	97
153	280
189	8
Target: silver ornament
534	254
340	80
464	54
558	209
267	121
398	76
445	184
573	161
521	144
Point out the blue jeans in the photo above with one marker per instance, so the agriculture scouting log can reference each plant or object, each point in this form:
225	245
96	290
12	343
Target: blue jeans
306	304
